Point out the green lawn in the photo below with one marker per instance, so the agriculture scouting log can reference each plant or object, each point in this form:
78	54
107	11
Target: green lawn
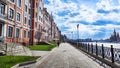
9	61
42	47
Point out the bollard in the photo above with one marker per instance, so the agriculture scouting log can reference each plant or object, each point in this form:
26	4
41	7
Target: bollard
96	50
92	48
112	54
88	47
103	55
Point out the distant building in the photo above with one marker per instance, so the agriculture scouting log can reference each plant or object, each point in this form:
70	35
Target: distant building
115	37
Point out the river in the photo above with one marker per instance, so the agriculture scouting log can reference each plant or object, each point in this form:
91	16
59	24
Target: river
106	44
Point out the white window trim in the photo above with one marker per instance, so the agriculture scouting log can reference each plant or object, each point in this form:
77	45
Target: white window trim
24	34
16	32
17	4
4	9
16	16
8	32
12	2
13	14
26	20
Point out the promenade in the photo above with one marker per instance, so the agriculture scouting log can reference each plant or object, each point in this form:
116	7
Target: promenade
66	56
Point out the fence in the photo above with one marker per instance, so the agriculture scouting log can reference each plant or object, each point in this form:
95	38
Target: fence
108	55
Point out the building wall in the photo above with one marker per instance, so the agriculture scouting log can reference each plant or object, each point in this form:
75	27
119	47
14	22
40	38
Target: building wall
13	22
35	22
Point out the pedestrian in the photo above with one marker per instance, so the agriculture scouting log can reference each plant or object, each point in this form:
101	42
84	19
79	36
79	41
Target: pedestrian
58	43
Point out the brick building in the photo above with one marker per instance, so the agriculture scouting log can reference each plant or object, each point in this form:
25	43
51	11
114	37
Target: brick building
37	23
26	21
14	21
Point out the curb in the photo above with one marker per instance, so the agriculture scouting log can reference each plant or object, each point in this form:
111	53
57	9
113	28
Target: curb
37	61
25	63
15	66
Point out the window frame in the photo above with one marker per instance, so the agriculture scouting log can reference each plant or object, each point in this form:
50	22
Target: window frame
25	20
11	13
26	8
10	32
29	34
18	17
18	33
1	6
12	1
19	3
25	33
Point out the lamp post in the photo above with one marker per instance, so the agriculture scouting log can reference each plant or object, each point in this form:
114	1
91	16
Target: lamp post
78	33
72	35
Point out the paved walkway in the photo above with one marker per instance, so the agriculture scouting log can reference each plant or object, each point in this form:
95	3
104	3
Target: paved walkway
66	56
39	53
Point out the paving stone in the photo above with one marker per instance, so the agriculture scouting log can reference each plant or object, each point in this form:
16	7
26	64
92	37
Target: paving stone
66	56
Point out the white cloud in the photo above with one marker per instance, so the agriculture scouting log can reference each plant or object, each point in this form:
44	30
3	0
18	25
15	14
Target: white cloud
87	14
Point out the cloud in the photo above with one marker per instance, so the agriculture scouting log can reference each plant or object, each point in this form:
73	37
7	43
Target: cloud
96	21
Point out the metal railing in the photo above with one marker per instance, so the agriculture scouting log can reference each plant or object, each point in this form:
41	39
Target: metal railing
107	55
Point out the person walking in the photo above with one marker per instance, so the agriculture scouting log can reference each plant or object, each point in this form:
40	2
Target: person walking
58	43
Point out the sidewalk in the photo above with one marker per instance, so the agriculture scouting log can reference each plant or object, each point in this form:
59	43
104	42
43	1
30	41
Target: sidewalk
66	56
42	54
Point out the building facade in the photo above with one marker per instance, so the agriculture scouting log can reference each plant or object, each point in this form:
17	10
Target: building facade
37	23
26	22
15	26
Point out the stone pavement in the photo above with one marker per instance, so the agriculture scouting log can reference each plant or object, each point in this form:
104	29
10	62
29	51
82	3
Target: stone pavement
39	53
66	56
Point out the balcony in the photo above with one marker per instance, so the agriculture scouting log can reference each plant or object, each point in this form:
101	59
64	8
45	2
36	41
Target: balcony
4	1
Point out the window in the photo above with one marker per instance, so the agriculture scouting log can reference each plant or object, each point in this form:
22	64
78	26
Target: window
29	11
2	9
19	3
39	18
39	27
36	5
26	8
36	24
12	0
24	34
40	8
25	20
11	13
18	16
17	32
36	15
30	1
10	31
29	23
0	29
29	34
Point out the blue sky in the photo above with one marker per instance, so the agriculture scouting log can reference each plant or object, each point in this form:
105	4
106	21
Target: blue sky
96	18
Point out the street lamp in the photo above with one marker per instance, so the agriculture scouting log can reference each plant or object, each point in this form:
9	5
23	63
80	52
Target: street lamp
78	33
72	35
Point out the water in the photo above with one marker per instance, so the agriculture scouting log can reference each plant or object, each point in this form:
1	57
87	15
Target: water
115	45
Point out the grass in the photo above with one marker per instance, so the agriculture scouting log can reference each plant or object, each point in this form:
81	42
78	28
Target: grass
42	47
9	61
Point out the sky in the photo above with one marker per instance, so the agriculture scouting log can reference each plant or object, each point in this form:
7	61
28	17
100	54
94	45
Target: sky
96	18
